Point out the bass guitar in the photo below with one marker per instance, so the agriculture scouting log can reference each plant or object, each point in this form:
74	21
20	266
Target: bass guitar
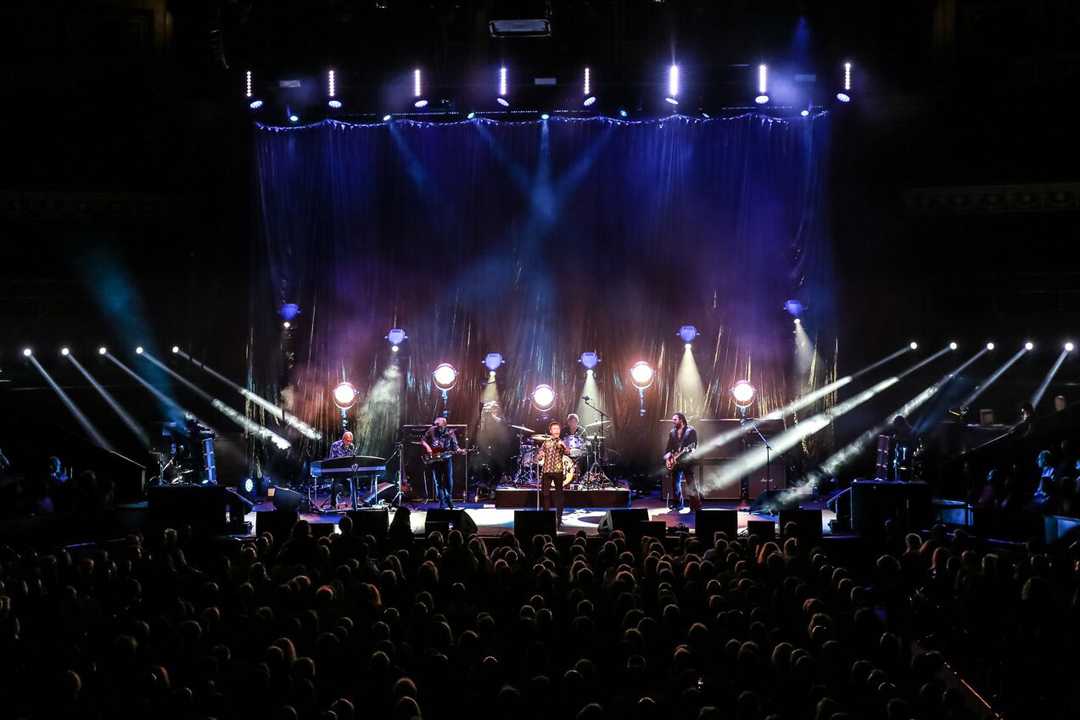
437	455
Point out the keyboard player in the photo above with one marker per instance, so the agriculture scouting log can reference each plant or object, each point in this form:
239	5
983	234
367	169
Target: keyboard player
339	449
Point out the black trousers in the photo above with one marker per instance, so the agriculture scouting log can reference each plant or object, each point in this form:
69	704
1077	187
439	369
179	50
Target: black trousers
546	481
442	474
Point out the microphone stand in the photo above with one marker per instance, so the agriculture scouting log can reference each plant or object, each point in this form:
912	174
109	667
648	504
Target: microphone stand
768	450
601	454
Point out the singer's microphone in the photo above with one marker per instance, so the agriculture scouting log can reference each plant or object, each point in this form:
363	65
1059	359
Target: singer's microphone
586	398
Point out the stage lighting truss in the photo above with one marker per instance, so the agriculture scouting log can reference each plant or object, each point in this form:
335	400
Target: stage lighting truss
743	394
543	398
345	396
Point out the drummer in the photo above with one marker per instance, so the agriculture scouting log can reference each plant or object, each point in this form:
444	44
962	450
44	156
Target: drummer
573	436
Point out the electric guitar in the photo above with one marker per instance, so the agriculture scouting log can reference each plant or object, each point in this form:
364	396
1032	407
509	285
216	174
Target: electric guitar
439	455
672	460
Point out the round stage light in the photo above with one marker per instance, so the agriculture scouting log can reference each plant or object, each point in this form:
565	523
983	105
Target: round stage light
687	333
249	485
335	104
294	118
65	351
175	349
953	346
798	321
445	376
793	307
493	361
386	118
761	99
102	350
27	352
545	116
589	100
1069	347
642	375
287	325
395	337
543	398
989	346
503	101
470	116
139	350
913	345
255	104
345	395
843	97
623	113
743	393
1029	346
804	113
589	360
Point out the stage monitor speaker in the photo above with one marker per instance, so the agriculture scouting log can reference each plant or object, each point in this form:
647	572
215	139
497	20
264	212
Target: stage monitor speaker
652	528
278	523
875	502
530	523
625	520
285	499
372	521
808	522
709	522
762	529
176	506
458	520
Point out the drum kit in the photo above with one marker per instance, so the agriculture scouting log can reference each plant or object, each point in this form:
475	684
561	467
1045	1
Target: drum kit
586	451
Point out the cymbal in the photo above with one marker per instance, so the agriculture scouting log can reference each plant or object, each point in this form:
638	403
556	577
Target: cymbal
522	428
596	437
541	438
598	422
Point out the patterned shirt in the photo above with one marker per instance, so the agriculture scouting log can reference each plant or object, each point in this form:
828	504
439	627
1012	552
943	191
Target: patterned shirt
339	449
549	456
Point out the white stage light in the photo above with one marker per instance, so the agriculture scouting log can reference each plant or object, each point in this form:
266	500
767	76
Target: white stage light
642	375
953	346
345	395
762	84
1029	346
543	398
743	393
673	85
102	350
913	345
139	350
27	352
445	376
1069	347
64	351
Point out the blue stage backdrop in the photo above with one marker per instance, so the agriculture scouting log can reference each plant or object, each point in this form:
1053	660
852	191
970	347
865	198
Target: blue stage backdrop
539	240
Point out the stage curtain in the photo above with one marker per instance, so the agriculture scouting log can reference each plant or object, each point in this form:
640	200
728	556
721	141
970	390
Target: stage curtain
538	240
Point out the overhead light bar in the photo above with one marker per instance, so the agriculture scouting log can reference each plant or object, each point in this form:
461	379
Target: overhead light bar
419	101
844	95
331	90
673	85
762	84
587	89
520	27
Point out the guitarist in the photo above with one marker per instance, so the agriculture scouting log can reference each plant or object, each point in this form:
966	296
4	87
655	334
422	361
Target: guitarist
680	446
437	439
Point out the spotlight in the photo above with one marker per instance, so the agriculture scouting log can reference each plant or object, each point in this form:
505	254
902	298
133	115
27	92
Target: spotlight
501	99
545	116
445	376
989	346
743	394
953	346
762	84
386	117
335	104
64	351
175	349
642	375
102	350
589	360
705	115
493	360
673	85
255	104
470	116
543	398
586	88
418	90
687	333
287	325
798	321
294	118
345	395
804	112
139	350
249	84
844	95
331	85
1069	347
794	307
589	100
623	113
289	311
249	486
913	345
396	337
27	352
1029	346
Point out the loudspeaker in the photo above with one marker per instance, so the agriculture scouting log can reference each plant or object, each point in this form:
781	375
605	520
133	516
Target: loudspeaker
278	523
808	522
625	520
285	499
651	528
709	522
530	523
201	507
374	521
873	502
457	519
763	529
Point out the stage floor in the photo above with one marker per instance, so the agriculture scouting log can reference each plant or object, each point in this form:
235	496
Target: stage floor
492	521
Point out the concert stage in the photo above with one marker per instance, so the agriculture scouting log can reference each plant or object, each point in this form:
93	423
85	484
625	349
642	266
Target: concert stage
492	520
525	498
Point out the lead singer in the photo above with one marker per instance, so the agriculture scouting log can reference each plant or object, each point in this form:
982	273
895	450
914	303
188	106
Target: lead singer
550	458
